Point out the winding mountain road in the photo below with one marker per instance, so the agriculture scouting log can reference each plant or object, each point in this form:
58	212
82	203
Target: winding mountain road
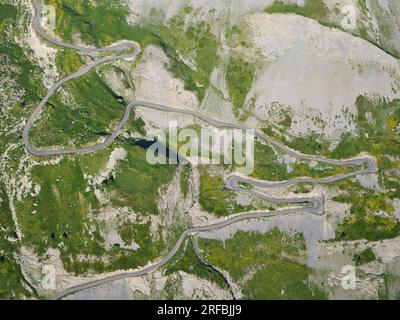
315	204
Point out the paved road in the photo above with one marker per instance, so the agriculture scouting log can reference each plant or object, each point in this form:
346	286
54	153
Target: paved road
174	250
120	47
315	204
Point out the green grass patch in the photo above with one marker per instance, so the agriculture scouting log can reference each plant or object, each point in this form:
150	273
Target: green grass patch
182	40
186	260
214	198
377	124
140	234
11	277
26	73
372	228
391	288
239	78
364	257
7	11
247	249
137	183
101	24
68	61
27	77
315	9
184	179
60	216
94	116
105	24
363	222
377	132
122	259
269	167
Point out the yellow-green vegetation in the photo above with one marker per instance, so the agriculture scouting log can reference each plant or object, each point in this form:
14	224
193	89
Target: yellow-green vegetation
377	132
68	61
11	278
137	183
92	108
14	55
93	163
377	124
186	260
268	167
282	279
390	290
315	9
310	144
92	113
364	257
59	212
7	11
140	234
365	28
214	198
266	164
286	116
181	39
239	78
8	14
101	24
365	201
302	188
25	78
369	227
275	258
61	215
132	232
364	223
184	179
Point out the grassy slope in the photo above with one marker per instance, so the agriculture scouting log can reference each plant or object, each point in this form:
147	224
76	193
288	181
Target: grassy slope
194	41
273	258
59	215
187	261
137	182
11	278
315	9
239	78
25	74
215	198
112	33
380	138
